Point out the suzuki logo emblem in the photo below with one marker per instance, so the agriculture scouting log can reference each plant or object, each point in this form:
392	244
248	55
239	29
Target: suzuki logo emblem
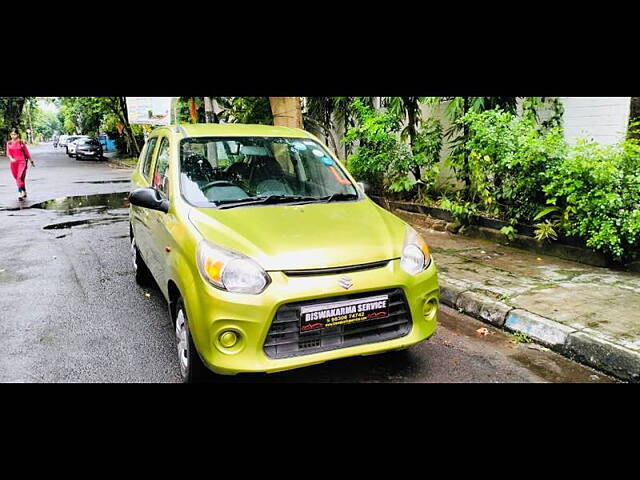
345	282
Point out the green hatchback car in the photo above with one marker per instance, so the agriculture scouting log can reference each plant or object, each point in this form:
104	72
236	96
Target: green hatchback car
270	256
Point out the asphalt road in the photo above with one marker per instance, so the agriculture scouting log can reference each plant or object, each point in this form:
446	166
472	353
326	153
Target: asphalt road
73	312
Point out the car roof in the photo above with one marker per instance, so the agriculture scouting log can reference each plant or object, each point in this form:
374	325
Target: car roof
236	130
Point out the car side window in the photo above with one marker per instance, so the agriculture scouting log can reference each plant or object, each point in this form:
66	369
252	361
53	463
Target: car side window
160	177
146	165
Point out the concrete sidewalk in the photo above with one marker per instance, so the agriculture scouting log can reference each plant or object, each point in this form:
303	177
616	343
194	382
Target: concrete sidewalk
587	313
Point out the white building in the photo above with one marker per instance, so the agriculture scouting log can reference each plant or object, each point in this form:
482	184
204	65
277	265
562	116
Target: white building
602	119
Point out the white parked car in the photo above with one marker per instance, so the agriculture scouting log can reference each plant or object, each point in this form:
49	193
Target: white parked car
62	140
72	144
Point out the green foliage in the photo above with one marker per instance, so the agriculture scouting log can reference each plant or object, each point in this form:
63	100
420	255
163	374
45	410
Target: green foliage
11	110
83	115
461	210
532	105
506	158
318	117
546	230
520	337
408	110
252	110
380	153
546	211
183	109
46	124
599	188
509	231
383	159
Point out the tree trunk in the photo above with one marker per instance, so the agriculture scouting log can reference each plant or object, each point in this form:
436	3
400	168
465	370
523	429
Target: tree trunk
30	123
13	112
287	111
411	115
466	175
209	114
124	117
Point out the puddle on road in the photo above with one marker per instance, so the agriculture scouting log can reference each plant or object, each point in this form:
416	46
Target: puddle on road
89	221
73	205
110	204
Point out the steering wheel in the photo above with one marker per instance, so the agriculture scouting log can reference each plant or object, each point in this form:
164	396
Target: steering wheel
217	183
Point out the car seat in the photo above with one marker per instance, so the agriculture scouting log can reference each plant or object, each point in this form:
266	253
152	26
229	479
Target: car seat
268	178
198	169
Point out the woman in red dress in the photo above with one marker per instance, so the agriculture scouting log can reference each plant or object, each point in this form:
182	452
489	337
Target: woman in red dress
18	155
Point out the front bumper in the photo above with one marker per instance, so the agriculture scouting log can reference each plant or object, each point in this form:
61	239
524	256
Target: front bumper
212	312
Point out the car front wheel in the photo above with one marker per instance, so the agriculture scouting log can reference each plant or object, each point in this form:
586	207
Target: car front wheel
191	367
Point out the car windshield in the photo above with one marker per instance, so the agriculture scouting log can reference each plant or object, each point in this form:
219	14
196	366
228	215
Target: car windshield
245	170
88	141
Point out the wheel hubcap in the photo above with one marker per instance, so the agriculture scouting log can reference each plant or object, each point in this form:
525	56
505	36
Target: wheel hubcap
183	344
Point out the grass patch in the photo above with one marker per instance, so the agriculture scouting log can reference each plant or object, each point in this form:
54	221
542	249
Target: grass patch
128	161
545	286
519	337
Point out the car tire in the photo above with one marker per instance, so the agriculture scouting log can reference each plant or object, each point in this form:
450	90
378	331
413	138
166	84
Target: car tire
192	370
143	274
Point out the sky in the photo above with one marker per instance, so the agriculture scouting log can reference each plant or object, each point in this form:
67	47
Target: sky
47	106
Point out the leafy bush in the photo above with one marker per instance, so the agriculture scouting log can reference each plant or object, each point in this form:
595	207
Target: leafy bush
383	159
462	211
600	187
506	158
379	151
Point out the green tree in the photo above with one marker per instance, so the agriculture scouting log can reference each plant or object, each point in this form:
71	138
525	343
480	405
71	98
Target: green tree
383	158
45	123
407	108
318	118
253	110
11	109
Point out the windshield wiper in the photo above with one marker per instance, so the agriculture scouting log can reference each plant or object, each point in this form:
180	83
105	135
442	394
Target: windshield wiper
271	199
339	196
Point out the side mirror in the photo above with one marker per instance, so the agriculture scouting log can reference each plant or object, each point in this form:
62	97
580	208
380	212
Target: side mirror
149	198
364	187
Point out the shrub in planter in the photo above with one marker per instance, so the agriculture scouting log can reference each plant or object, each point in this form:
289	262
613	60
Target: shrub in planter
383	159
600	188
506	158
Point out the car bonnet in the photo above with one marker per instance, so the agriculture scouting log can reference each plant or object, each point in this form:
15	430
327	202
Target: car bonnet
299	237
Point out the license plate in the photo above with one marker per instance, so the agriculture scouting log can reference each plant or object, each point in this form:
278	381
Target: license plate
316	317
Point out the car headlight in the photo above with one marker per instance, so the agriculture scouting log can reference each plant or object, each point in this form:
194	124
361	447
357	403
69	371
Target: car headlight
230	271
415	253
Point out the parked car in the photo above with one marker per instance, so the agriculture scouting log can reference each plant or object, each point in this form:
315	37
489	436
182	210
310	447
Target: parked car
268	253
72	144
62	140
88	148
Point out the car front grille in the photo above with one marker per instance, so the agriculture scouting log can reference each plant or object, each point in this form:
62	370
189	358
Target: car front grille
284	339
335	270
